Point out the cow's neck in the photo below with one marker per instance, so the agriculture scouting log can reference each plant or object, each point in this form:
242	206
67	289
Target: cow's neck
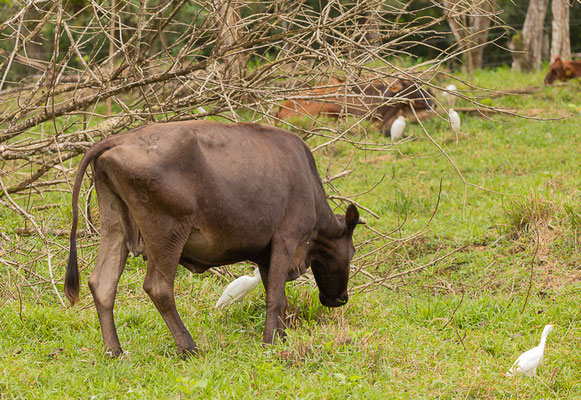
329	226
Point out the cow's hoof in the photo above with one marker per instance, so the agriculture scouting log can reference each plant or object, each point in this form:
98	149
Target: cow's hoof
278	334
281	335
192	352
114	352
268	340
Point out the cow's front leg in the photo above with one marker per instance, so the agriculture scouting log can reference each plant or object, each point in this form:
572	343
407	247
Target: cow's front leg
390	114
276	301
264	273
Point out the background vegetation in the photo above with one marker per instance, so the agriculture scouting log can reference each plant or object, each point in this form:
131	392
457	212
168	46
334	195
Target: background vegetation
449	285
448	330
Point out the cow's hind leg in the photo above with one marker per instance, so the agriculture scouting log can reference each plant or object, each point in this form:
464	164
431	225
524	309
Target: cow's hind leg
110	263
162	264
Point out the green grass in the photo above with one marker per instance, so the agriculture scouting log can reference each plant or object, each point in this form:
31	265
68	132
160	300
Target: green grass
449	330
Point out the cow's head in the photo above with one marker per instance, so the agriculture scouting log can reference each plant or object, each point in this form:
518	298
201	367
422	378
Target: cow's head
558	70
420	98
330	258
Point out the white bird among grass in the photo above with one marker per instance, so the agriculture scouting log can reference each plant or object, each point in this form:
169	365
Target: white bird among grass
449	94
238	289
528	362
454	120
397	127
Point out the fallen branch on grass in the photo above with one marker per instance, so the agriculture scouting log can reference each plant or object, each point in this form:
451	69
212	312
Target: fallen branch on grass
51	232
530	112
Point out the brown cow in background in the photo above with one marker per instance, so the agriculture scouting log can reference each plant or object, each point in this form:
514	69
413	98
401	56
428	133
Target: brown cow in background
375	100
563	70
296	108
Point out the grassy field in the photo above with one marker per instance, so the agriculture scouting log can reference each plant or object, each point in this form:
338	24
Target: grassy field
448	330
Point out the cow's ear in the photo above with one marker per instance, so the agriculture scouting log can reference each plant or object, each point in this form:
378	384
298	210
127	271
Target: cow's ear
351	218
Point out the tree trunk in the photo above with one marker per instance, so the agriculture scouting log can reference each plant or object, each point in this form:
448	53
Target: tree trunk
372	26
111	64
546	46
227	17
36	48
479	26
561	44
470	27
527	46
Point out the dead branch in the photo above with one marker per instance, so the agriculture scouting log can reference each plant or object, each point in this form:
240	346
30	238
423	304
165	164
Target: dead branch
109	67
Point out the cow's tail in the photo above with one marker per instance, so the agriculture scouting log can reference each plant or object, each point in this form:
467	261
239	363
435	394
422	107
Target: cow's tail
72	275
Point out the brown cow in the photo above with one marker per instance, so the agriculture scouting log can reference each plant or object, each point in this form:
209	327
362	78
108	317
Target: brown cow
203	194
322	107
375	100
563	70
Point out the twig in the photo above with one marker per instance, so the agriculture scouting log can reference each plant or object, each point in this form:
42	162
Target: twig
33	222
532	270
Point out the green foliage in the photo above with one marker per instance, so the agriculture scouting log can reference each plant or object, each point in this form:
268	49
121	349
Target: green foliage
574	217
522	215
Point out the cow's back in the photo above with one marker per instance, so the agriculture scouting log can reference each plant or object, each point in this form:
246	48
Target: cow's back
236	183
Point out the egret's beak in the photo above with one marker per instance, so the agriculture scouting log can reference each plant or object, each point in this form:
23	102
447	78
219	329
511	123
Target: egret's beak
362	221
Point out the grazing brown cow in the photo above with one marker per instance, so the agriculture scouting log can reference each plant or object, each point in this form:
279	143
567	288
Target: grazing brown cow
563	70
375	100
203	194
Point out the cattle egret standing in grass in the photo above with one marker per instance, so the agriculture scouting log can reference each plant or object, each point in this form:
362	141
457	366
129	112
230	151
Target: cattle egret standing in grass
449	94
454	120
528	362
397	128
238	289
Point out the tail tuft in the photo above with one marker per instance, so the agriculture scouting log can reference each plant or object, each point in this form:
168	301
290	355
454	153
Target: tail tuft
72	287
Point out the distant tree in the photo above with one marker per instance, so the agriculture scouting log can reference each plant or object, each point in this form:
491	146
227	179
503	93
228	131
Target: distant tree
527	45
112	48
373	25
561	43
229	32
470	22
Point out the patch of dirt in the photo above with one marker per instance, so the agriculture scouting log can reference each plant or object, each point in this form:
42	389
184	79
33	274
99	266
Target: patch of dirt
553	112
529	112
384	157
551	270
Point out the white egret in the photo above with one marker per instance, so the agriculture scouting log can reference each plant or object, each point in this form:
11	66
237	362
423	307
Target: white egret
397	127
238	289
449	94
528	362
454	120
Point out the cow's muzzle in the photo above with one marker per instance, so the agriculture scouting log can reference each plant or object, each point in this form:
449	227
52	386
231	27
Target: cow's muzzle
338	302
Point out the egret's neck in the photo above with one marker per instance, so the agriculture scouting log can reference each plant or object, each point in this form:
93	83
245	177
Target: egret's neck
543	339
